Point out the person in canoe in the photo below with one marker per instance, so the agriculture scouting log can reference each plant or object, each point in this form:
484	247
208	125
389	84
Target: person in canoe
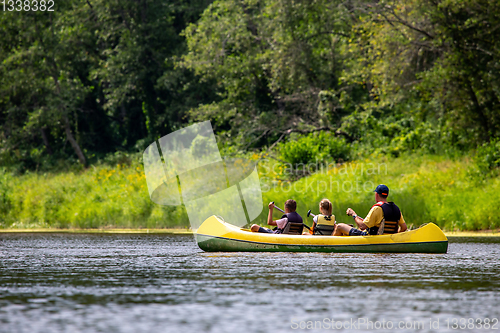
324	223
382	211
289	216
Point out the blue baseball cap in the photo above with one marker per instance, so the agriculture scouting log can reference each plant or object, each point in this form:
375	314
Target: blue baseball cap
382	189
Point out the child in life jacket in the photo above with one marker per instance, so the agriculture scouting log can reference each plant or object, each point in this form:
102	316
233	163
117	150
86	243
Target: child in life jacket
324	223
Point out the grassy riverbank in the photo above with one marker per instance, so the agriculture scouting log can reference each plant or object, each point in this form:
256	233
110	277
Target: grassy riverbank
449	192
102	196
452	193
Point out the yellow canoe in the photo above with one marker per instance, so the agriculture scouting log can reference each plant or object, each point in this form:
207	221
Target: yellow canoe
215	235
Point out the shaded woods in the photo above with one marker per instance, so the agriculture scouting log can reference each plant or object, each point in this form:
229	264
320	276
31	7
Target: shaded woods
94	77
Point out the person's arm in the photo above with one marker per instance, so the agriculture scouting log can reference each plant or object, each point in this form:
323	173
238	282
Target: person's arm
357	219
270	215
402	224
315	221
360	222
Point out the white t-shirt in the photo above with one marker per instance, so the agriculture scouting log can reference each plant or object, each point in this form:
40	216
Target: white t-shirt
282	222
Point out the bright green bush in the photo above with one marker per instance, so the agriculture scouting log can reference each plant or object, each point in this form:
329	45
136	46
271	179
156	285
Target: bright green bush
307	153
322	147
488	156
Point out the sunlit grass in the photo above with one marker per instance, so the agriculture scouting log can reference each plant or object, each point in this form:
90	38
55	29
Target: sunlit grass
450	193
447	192
98	197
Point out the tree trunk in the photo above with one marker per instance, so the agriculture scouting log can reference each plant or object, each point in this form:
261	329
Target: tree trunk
67	126
483	120
62	108
46	140
72	141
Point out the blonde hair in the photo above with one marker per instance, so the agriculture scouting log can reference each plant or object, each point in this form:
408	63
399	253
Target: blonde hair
326	205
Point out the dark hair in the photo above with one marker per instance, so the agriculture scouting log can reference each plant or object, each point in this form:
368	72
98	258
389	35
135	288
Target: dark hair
291	205
383	196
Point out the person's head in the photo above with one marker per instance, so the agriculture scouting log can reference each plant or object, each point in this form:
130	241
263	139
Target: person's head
381	192
325	207
290	206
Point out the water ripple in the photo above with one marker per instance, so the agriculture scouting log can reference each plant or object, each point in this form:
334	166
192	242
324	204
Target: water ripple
164	283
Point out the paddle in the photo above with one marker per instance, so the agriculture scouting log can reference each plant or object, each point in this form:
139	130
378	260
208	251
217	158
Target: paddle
281	210
311	231
309	213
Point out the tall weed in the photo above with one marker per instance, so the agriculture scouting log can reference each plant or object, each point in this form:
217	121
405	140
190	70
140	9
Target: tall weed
427	188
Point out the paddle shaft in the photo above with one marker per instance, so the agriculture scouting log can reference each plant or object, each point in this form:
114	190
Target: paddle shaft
311	231
281	210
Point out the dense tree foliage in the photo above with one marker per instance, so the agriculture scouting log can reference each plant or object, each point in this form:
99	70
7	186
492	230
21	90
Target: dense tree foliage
97	76
402	74
272	60
437	61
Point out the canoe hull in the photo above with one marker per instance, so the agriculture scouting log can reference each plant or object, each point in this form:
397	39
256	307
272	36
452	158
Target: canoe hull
217	236
215	244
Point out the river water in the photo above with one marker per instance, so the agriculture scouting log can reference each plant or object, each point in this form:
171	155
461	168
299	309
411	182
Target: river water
165	283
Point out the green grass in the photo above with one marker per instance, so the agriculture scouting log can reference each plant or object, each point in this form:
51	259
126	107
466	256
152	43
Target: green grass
98	197
450	193
447	192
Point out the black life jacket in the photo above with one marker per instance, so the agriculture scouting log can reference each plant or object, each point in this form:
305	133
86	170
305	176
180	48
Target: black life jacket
292	217
391	213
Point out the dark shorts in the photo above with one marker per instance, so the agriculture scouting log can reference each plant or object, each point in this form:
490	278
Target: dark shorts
357	232
265	230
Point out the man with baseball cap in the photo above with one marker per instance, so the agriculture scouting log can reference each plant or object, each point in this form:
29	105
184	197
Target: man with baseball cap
381	211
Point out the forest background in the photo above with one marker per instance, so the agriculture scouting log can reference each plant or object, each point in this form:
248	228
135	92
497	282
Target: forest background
412	86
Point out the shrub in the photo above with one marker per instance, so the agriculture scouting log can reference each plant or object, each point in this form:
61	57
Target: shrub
488	156
306	153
